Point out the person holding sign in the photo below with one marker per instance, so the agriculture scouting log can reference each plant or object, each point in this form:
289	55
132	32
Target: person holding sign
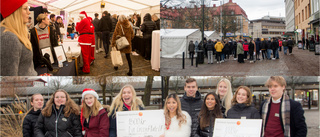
94	118
242	108
191	102
224	91
210	110
178	122
281	115
126	100
60	117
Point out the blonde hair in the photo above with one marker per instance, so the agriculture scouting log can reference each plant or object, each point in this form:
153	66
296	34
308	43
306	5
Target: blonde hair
122	18
154	17
180	116
279	79
41	17
70	106
14	23
226	100
94	110
117	103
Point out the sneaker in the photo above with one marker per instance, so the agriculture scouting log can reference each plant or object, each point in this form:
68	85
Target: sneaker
222	60
97	51
101	50
217	61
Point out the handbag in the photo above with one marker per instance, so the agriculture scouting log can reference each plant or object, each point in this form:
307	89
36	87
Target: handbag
122	42
116	57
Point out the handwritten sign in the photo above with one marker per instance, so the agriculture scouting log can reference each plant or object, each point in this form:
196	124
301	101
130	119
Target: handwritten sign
144	123
237	127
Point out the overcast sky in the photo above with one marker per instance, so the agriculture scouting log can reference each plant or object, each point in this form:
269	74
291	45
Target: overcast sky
255	9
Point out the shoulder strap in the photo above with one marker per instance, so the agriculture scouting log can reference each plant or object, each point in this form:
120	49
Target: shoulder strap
122	29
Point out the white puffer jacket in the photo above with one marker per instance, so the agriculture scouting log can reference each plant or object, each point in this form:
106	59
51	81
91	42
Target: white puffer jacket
176	131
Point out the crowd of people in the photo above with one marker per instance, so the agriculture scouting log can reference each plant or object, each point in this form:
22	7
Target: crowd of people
244	49
187	116
26	40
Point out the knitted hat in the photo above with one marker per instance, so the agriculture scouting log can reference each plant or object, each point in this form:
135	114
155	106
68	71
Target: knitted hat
87	91
83	14
8	6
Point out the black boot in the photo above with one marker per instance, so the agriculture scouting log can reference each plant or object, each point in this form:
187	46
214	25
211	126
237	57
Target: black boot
129	73
115	68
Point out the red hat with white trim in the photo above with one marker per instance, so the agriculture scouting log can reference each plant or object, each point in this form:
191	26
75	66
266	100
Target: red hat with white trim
83	14
8	6
87	91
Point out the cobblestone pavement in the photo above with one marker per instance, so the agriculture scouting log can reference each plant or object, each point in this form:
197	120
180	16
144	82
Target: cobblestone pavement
300	63
103	66
312	120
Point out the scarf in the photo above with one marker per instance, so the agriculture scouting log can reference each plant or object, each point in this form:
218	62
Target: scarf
284	111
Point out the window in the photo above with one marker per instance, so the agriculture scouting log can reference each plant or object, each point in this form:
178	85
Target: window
299	19
302	15
306	12
298	2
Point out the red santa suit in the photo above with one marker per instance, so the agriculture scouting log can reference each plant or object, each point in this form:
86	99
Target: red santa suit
86	41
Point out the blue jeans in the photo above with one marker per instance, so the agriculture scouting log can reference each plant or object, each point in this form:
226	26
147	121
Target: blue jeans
269	53
285	49
223	56
277	54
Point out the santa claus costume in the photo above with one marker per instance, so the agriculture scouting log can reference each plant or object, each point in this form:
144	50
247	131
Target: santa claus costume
86	40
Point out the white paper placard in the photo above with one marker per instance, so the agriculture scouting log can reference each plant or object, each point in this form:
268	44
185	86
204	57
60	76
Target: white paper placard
144	123
48	50
237	127
61	56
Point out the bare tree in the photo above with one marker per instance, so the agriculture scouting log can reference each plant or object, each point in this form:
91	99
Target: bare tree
228	22
147	91
112	84
166	88
78	80
293	82
176	82
103	82
58	83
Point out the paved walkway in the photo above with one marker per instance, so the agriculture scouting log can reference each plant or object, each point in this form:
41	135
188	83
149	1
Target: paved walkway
300	63
312	120
103	66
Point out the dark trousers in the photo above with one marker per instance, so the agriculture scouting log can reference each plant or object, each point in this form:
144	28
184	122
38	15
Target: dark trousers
148	49
245	54
240	58
274	52
191	54
264	54
106	41
129	61
218	56
290	49
251	56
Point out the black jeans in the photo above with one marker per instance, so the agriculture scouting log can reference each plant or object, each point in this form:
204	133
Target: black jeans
148	48
191	54
106	41
129	61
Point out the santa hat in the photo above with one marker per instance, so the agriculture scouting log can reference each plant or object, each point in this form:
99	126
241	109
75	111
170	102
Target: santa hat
83	14
87	91
8	7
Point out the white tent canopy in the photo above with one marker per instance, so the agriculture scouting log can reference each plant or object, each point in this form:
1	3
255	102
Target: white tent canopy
176	41
211	35
74	7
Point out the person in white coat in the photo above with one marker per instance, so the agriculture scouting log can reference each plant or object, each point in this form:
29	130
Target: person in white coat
178	122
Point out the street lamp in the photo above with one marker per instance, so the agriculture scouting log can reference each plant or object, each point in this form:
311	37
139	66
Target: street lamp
202	31
221	3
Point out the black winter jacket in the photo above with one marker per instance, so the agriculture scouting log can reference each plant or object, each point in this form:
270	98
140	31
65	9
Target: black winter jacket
148	26
263	45
114	24
191	47
275	44
95	23
298	126
105	24
29	123
269	46
65	126
158	24
37	53
241	110
207	131
210	46
192	105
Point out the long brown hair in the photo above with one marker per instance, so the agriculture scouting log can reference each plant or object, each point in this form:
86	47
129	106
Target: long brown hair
204	115
180	116
249	97
94	110
70	106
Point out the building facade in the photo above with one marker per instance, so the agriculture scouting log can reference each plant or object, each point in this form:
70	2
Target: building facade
189	17
302	13
315	19
267	27
289	16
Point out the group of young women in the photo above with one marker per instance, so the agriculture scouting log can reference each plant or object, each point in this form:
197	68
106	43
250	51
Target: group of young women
63	117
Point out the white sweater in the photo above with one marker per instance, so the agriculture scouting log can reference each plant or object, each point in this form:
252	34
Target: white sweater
176	131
